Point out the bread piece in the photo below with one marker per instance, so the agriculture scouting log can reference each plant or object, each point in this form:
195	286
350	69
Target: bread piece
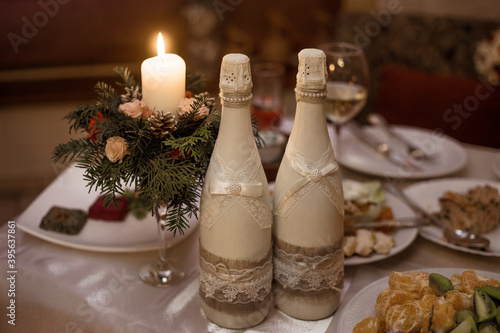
383	242
365	242
349	245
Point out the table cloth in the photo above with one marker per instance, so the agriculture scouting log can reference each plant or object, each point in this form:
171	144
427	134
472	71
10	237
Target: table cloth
60	289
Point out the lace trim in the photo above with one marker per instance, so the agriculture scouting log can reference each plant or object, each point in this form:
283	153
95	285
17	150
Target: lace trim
316	175
238	180
236	286
300	272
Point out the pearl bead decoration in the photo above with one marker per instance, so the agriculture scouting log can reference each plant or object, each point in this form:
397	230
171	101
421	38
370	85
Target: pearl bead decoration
307	94
236	99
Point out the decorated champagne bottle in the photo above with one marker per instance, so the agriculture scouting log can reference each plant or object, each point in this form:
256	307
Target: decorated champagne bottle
235	266
308	205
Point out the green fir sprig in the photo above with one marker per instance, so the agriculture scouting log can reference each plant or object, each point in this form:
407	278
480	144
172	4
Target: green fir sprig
162	170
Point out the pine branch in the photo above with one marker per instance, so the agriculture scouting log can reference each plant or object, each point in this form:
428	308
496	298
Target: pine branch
80	117
126	75
255	129
178	220
105	176
73	149
199	145
108	99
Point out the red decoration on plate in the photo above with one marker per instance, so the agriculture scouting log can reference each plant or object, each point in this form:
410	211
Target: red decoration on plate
112	213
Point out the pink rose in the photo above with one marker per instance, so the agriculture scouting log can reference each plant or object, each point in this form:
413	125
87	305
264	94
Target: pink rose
134	109
146	113
116	149
203	111
185	106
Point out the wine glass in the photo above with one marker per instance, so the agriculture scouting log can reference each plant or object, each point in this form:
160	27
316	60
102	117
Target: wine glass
347	84
161	273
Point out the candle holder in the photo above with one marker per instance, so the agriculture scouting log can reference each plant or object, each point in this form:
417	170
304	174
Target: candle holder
162	156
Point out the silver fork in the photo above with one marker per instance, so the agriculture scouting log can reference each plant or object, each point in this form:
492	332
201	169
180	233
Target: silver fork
380	147
414	151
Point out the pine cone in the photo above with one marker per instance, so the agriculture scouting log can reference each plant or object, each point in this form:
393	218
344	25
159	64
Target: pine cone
162	124
131	94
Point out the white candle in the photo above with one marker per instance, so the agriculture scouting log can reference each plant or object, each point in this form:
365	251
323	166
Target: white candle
163	80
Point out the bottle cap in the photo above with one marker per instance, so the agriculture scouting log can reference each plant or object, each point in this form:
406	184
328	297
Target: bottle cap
235	79
312	73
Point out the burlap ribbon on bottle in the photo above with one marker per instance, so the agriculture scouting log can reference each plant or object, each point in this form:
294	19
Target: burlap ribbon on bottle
235	286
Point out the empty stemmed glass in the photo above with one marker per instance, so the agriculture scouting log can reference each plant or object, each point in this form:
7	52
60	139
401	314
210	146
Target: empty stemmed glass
347	84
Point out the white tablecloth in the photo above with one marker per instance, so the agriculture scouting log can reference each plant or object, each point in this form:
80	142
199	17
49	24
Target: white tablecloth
59	289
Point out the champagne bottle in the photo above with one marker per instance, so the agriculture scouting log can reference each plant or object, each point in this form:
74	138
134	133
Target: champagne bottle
308	205
235	212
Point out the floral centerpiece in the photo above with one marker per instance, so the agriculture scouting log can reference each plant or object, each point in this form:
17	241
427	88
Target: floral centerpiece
487	57
127	145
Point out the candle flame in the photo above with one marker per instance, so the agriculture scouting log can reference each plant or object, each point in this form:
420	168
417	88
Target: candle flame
160	45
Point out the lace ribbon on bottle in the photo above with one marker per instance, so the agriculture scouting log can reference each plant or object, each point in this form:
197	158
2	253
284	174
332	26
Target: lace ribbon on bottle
235	285
236	187
315	175
301	272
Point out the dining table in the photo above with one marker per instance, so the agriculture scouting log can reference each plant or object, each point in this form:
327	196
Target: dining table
52	286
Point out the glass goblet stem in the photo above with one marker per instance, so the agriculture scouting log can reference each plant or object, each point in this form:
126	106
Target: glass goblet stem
161	273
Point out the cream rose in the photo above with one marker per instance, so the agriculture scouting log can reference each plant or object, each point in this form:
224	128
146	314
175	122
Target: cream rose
203	112
185	105
133	109
116	149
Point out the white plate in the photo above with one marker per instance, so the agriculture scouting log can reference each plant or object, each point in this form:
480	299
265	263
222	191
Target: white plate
69	191
426	194
402	237
362	304
495	165
447	154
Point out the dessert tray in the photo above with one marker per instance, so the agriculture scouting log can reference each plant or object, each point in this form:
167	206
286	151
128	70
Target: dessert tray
69	190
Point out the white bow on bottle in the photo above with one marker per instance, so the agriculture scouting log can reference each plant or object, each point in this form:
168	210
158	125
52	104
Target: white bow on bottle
246	189
236	187
314	175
